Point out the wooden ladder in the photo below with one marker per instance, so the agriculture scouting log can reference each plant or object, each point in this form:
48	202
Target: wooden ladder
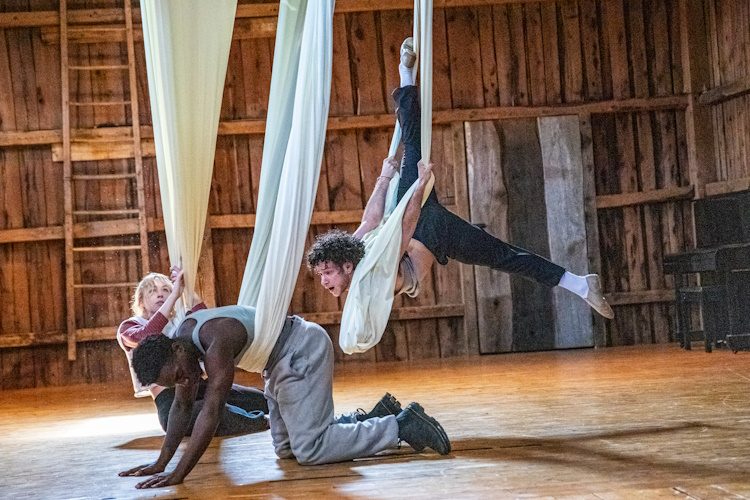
72	249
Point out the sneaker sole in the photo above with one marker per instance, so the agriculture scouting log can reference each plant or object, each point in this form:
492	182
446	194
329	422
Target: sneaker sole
391	404
417	409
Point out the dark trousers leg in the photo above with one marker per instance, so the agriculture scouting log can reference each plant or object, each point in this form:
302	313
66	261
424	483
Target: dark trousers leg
469	244
440	229
409	117
242	414
247	398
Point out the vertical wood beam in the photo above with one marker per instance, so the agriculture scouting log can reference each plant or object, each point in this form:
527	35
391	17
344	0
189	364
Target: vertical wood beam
697	78
488	198
471	330
136	128
591	215
67	184
560	141
523	174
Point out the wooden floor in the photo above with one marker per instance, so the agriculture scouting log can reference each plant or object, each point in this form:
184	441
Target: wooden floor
653	422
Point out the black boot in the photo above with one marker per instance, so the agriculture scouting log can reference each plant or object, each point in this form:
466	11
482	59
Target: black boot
422	431
388	405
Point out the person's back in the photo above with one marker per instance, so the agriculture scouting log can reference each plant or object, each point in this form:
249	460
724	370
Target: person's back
232	330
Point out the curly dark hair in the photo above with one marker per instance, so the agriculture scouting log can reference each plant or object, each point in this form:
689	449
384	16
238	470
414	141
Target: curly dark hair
336	246
150	357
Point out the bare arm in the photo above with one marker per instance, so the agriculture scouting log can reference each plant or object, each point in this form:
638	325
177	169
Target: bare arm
414	207
376	204
178	423
221	368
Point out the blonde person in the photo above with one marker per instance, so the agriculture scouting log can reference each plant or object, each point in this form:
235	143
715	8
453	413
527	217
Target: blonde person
153	311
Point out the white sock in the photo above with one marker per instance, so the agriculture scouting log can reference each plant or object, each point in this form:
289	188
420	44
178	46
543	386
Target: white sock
576	284
406	76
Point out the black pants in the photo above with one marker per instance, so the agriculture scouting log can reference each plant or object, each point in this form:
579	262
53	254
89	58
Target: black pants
243	412
447	235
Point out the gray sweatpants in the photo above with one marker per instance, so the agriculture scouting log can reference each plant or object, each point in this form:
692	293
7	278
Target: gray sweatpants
299	383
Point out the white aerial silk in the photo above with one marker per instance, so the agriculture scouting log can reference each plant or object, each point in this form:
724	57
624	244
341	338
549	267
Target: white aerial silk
370	298
292	154
187	51
187	46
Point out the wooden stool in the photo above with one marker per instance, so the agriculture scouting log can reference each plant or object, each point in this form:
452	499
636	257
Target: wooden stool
711	300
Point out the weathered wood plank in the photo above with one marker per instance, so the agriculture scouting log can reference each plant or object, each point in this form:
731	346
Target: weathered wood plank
255	10
487	54
730	186
725	92
551	44
638	18
488	204
255	126
640	297
592	55
645	197
560	140
468	285
571	41
519	77
591	217
535	54
505	62
130	226
699	126
467	90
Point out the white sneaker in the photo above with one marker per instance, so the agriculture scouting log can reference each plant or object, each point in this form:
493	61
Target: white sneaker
595	297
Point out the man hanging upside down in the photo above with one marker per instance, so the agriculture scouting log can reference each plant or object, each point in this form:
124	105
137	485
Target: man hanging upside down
431	232
298	383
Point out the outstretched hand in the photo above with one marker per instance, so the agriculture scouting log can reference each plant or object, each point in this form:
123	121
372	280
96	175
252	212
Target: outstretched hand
160	480
157	480
142	470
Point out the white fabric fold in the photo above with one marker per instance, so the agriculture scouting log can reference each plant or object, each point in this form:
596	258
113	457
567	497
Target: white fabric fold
370	299
293	151
187	46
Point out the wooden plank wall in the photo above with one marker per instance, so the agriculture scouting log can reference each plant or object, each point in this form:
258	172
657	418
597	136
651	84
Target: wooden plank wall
729	56
526	54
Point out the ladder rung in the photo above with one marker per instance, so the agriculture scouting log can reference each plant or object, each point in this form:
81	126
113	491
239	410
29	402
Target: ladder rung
105	285
99	103
102	177
106	212
115	248
100	67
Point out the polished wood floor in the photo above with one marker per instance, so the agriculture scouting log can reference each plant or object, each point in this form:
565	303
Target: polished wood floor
626	423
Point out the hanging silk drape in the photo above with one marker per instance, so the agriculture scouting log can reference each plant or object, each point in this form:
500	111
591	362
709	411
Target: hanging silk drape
370	298
187	46
292	154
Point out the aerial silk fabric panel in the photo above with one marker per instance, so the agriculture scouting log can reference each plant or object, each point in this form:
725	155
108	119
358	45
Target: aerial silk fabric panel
370	299
293	151
187	46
